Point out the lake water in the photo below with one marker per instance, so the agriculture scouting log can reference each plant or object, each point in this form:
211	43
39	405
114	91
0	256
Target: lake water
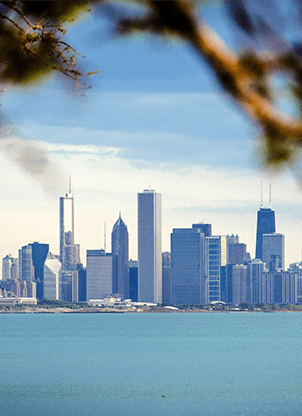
122	364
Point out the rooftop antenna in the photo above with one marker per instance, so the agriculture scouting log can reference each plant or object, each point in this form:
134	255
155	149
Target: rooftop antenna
105	237
69	184
261	202
270	195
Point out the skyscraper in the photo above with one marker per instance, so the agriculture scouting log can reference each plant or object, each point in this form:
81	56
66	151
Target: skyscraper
39	254
272	247
52	277
265	224
98	274
149	246
7	264
133	280
188	266
69	251
119	251
215	257
26	267
166	277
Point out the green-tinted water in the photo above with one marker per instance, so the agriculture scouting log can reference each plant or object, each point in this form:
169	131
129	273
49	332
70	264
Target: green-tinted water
108	364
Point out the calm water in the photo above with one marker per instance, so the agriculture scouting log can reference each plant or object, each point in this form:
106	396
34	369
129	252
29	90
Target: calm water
112	364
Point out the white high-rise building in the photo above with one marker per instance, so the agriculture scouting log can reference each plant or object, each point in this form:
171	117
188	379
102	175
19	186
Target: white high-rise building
149	246
52	278
7	263
69	251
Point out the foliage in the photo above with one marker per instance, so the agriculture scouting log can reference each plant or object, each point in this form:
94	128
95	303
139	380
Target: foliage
49	303
32	40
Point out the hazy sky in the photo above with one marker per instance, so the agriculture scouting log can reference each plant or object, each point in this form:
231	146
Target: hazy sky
155	116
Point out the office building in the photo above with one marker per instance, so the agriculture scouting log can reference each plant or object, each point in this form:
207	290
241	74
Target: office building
279	287
133	280
81	282
149	246
52	278
69	251
188	266
166	277
26	267
39	253
232	239
206	229
239	283
226	283
236	253
215	257
265	225
98	274
273	250
255	269
120	256
9	267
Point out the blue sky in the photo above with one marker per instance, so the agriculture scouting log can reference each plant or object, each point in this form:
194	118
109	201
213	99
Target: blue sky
154	116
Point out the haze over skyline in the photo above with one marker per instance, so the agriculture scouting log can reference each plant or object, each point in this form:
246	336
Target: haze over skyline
156	117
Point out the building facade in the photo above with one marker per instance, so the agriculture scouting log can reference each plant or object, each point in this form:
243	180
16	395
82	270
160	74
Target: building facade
149	246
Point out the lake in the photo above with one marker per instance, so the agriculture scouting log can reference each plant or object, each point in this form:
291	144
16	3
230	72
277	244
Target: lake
111	364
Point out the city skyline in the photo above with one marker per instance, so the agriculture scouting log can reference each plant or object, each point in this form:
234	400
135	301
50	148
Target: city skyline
150	119
166	246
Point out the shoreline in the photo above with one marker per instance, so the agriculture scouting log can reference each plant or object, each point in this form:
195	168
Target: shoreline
130	310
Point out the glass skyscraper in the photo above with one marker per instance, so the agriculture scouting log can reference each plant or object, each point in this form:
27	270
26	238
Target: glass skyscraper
188	265
216	256
149	246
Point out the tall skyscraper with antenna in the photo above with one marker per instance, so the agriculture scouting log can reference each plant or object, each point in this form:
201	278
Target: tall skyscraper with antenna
265	224
69	251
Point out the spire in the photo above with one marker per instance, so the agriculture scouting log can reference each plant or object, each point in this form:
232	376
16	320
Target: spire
261	201
105	237
270	195
69	184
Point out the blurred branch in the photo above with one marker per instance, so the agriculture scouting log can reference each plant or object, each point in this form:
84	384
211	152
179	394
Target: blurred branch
243	77
31	40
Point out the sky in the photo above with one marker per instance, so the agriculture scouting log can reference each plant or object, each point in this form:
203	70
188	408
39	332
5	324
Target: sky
155	116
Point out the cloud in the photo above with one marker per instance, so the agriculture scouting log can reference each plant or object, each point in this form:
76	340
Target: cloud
32	159
105	183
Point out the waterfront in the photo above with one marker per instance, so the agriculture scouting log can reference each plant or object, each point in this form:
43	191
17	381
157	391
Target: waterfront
95	364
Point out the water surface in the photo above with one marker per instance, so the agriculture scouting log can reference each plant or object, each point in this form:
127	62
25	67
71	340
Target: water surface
108	364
